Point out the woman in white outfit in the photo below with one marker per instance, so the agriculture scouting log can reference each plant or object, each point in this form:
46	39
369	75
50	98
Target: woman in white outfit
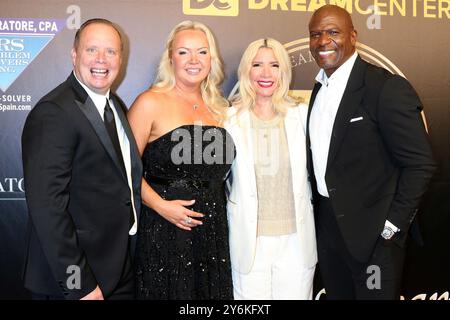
271	222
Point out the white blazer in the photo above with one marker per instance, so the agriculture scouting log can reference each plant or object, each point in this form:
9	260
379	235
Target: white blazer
242	204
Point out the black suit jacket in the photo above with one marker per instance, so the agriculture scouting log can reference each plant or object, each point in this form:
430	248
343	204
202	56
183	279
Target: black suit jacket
77	194
378	168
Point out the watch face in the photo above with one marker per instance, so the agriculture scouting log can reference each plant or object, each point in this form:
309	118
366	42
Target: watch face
387	233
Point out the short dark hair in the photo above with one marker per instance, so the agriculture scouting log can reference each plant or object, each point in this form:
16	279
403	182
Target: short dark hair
76	41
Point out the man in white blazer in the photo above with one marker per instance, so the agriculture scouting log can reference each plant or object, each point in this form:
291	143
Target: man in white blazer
278	266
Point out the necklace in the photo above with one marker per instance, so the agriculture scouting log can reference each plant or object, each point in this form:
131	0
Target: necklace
183	97
195	105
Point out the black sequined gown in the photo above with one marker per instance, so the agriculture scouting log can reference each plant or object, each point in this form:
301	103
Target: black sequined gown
189	162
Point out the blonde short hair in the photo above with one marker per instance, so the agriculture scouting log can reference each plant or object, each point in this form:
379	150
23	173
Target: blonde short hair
210	86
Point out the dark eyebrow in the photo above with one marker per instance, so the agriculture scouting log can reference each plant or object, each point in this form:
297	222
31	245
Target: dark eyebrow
325	30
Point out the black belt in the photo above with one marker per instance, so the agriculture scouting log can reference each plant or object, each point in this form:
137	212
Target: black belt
181	183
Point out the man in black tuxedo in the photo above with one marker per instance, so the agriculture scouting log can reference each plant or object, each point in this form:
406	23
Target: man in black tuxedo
82	177
369	161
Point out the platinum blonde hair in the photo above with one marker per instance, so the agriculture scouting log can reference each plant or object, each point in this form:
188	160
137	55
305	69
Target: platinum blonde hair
210	86
246	98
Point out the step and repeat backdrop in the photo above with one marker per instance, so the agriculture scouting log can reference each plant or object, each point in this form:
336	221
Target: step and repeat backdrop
407	37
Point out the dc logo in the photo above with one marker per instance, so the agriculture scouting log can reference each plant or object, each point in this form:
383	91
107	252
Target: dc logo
211	7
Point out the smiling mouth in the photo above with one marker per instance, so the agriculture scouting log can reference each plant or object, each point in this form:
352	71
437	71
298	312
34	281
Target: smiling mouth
265	84
102	73
193	71
326	53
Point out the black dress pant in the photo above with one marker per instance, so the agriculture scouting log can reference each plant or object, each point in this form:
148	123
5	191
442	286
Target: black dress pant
346	278
125	289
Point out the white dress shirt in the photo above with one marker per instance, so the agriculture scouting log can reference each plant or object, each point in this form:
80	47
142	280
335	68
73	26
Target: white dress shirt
323	115
100	102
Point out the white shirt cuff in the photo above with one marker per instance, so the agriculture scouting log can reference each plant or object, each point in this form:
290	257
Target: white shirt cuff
390	225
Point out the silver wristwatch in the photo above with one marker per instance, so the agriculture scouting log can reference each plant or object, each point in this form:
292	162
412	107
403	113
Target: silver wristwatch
387	233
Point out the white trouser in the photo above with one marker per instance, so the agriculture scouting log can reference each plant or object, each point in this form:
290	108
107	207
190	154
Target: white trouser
277	272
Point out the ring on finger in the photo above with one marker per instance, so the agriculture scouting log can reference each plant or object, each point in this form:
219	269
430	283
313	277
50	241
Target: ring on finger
188	220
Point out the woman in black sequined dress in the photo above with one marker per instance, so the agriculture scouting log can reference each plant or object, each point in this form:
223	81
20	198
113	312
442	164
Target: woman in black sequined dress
182	247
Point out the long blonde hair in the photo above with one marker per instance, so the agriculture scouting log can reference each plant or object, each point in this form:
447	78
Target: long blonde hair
246	98
210	86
